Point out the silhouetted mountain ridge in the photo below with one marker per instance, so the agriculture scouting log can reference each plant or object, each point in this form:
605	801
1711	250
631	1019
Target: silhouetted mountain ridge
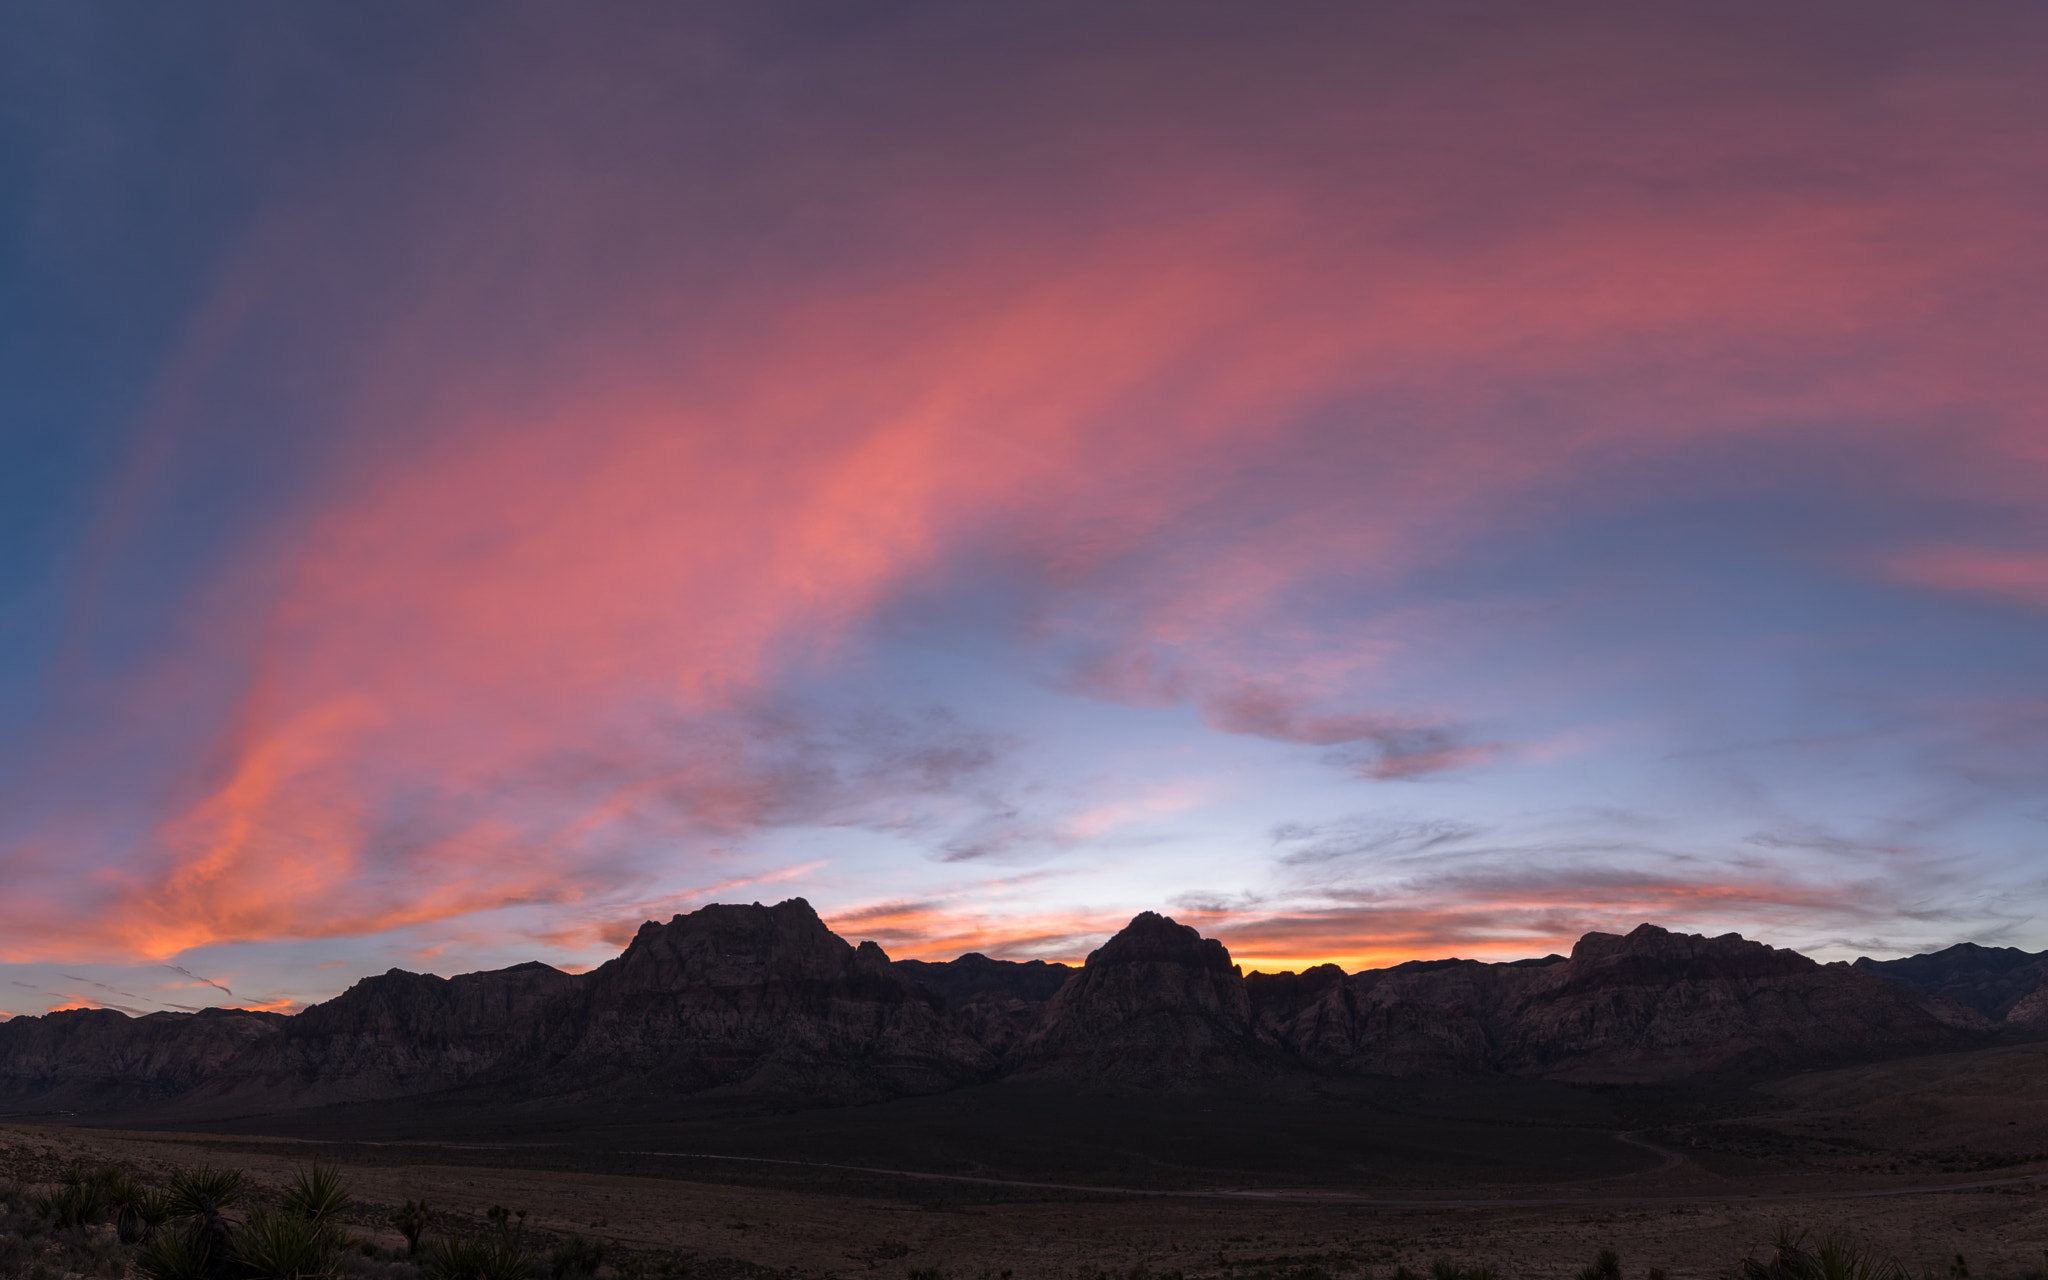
768	1001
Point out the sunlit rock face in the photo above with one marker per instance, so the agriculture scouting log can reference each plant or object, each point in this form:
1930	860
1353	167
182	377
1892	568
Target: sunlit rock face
1156	1002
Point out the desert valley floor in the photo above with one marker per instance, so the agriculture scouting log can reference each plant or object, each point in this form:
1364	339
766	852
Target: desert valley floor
1926	1158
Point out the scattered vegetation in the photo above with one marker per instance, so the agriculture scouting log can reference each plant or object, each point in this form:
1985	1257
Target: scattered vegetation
1834	1258
104	1222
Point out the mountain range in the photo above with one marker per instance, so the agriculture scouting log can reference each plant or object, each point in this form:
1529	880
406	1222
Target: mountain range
759	1000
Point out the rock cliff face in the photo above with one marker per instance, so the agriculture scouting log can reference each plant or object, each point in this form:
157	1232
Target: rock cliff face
767	1000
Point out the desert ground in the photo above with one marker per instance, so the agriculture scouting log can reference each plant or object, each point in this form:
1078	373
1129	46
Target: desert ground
1924	1159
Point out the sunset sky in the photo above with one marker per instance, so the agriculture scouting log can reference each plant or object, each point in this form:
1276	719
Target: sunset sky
1369	479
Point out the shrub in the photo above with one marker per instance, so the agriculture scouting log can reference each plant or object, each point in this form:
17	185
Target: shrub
70	1205
485	1258
576	1257
1607	1266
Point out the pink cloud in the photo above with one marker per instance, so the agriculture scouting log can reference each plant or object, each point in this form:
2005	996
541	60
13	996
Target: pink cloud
2019	576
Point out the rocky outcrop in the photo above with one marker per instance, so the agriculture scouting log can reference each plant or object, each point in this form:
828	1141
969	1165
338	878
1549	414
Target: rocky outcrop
94	1058
1157	1002
1992	981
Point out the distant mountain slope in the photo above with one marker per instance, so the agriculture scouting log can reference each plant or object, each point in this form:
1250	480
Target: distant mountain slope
767	1000
89	1058
975	976
1994	981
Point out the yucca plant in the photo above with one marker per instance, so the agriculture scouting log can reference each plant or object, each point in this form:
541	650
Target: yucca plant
316	1194
481	1258
176	1255
203	1192
283	1245
142	1214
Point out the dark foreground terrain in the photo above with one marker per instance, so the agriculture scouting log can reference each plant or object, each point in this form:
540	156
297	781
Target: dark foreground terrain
1923	1159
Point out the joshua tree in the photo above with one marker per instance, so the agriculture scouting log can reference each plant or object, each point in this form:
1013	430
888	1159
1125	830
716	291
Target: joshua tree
411	1220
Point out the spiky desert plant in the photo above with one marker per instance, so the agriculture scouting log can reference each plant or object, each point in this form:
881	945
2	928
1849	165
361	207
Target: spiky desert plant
481	1258
176	1255
283	1245
316	1194
196	1193
1835	1258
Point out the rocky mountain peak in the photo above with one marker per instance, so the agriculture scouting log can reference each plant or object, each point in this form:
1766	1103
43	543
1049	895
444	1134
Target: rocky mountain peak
732	945
1151	938
1158	1001
1652	956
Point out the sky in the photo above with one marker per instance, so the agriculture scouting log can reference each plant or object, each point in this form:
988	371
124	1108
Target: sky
1370	480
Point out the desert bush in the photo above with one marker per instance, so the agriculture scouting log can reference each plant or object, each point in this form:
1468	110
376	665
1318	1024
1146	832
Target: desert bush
1445	1269
67	1205
1607	1266
14	1253
483	1258
576	1257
